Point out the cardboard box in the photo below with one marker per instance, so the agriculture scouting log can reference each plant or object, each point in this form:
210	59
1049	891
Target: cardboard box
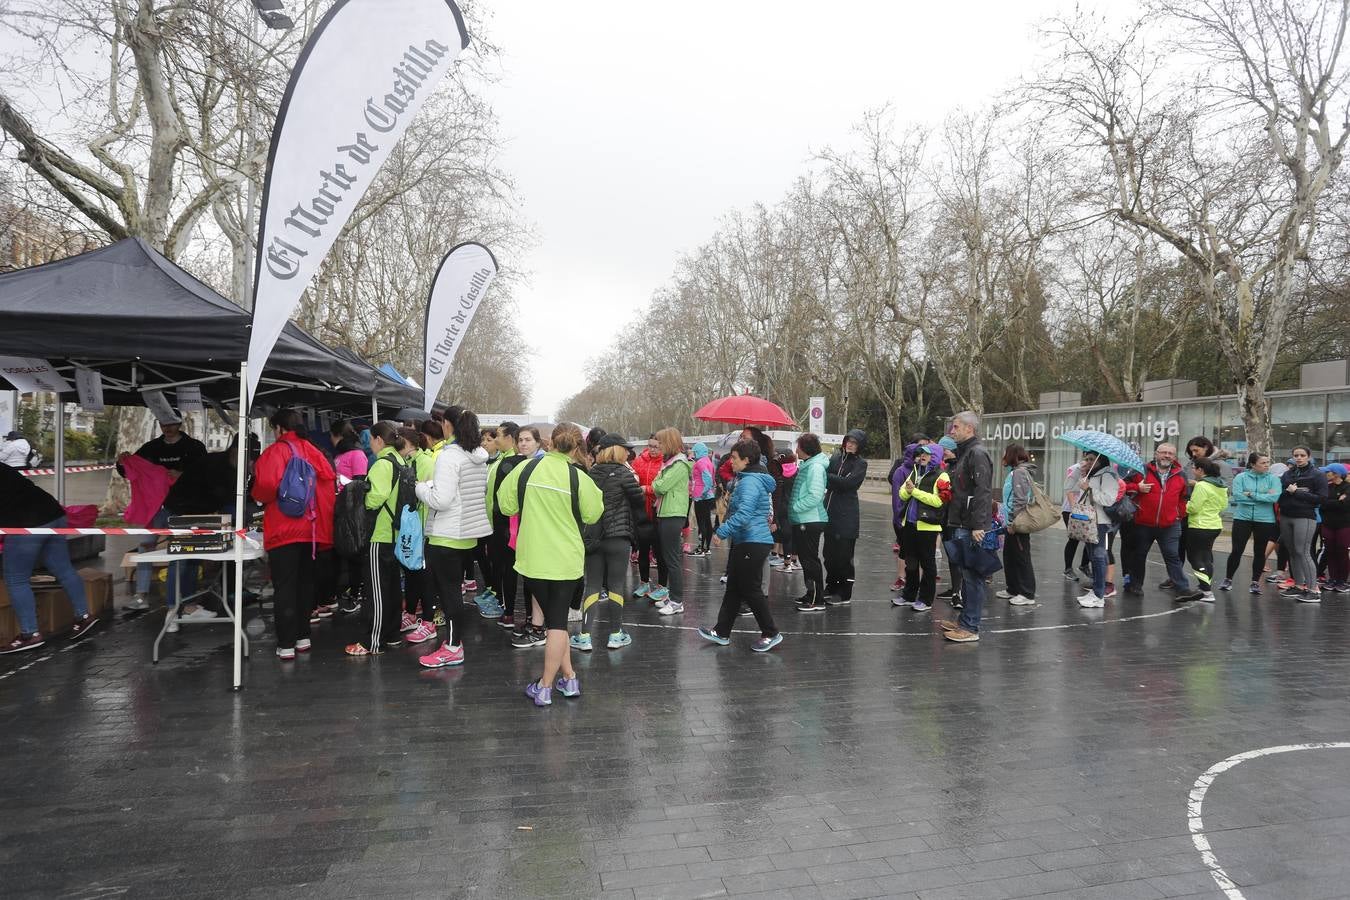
55	614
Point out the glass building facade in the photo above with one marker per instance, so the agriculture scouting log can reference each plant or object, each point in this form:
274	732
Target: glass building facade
1320	419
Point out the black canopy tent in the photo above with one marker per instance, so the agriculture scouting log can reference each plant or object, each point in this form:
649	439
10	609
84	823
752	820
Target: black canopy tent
146	324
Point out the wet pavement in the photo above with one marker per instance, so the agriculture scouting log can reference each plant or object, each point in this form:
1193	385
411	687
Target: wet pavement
865	757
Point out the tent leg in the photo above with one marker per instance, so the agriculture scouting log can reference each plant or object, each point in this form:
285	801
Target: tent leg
60	444
374	411
240	473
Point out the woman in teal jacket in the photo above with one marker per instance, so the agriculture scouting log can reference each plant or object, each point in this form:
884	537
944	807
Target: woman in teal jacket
806	512
1255	493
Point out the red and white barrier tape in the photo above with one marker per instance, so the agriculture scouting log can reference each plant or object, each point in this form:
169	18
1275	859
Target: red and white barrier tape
197	531
32	473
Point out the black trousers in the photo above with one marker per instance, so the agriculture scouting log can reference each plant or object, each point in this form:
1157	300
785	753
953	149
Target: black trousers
703	511
806	539
1018	573
382	606
504	571
1261	534
671	553
607	572
417	591
920	553
1129	555
649	544
292	591
325	578
745	585
839	565
445	572
1200	553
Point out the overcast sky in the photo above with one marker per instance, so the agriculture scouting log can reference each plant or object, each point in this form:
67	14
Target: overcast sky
630	131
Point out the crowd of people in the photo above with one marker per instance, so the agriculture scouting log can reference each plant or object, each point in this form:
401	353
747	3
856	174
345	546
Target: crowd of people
398	523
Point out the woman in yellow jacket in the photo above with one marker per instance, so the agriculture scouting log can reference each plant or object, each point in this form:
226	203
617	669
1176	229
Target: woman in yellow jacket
1209	497
922	496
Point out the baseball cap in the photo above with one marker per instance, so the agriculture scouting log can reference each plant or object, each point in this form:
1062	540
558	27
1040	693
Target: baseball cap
1336	469
947	443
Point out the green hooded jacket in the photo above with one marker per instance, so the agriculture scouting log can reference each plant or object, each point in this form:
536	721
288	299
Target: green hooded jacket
548	544
672	489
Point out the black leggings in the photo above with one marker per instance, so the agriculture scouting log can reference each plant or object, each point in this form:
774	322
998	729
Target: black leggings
649	543
745	585
839	565
703	510
418	591
806	538
606	573
504	571
1261	534
920	550
445	571
672	554
1200	553
554	598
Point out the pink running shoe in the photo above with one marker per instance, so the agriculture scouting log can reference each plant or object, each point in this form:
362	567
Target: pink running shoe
898	584
424	632
469	586
444	656
408	623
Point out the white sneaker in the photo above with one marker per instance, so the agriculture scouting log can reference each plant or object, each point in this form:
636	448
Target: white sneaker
1091	601
137	602
670	608
1019	600
1003	595
173	622
302	645
723	579
574	615
200	614
1207	597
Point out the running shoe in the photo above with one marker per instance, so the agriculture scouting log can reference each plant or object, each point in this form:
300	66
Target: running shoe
424	632
835	600
445	655
137	604
670	608
806	605
618	640
1254	587
745	611
408	623
1110	590
897	585
790	568
723	579
524	640
920	606
643	589
23	642
1090	600
1020	600
710	635
1287	584
285	653
1310	597
1275	577
508	622
83	625
490	607
303	645
901	601
357	649
469	586
1003	595
775	560
1206	596
659	595
1226	585
948	594
580	642
1341	587
349	606
1069	575
1190	596
765	644
313	618
542	696
1293	592
961	636
568	687
439	618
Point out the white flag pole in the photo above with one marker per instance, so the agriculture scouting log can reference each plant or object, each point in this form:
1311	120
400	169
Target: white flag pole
240	474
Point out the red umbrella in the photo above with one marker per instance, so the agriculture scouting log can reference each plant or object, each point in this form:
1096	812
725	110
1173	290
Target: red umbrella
743	409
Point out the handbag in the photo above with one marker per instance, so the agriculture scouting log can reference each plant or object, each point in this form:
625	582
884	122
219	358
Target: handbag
1039	514
1083	519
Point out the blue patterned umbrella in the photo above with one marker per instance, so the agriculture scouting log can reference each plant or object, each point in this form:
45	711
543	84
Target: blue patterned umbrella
1108	445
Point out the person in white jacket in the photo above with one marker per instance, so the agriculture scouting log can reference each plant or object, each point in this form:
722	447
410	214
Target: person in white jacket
456	499
14	450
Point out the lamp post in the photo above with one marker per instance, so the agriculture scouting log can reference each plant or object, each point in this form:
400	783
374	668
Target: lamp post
272	15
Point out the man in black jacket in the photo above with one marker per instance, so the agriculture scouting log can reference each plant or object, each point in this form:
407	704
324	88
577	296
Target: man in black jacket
971	513
843	476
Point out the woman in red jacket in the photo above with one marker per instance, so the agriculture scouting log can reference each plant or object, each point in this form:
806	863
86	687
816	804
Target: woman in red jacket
292	542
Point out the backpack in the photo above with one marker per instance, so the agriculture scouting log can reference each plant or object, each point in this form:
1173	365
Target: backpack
296	494
573	482
405	519
1124	509
1038	515
353	524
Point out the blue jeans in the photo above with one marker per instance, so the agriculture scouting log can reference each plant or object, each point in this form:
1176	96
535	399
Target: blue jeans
22	554
1099	559
972	590
146	572
1169	541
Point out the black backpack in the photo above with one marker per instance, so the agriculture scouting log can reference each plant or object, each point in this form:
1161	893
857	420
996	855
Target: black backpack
353	524
404	489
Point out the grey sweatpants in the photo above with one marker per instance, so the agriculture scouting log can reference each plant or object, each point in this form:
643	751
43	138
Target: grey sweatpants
1297	535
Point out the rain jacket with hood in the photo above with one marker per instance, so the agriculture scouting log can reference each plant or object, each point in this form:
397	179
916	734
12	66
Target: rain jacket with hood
1208	500
455	495
899	473
549	545
751	506
280	529
671	487
1162	506
703	478
647	466
843	476
808	492
1017	491
930	486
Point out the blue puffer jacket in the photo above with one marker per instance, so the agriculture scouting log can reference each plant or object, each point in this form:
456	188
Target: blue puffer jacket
751	505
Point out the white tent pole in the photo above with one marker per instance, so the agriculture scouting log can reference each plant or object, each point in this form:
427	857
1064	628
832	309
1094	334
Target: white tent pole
241	470
60	445
374	411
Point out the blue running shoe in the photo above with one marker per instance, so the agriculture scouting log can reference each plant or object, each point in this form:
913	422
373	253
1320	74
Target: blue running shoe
580	642
920	606
658	594
765	644
643	589
619	639
569	687
709	635
489	607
